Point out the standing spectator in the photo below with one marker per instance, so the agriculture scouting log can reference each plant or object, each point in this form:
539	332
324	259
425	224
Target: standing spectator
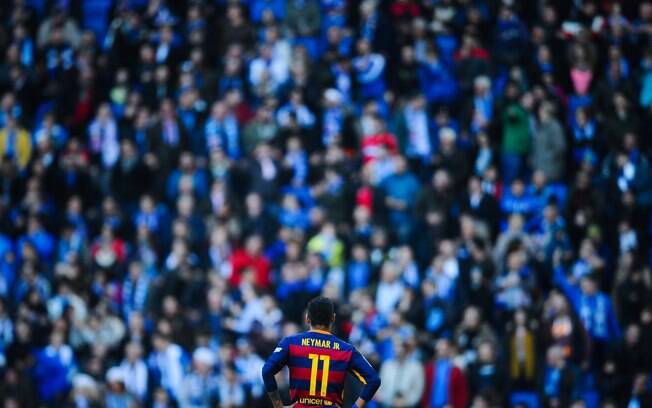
199	388
167	364
250	256
369	68
400	191
516	135
594	309
558	379
104	138
222	132
15	143
549	145
134	371
402	379
445	383
230	390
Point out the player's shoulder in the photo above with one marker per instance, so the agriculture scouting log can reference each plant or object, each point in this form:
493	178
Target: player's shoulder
292	339
343	344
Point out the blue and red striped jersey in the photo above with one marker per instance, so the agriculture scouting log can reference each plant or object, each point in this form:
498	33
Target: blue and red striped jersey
318	364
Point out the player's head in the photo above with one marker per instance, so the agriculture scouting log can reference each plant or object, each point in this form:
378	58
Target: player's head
321	312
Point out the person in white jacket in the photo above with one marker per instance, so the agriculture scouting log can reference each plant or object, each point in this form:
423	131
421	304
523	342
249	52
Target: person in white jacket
401	378
135	370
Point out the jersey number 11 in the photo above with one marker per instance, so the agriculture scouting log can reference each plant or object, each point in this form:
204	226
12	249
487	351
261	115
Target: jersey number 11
326	360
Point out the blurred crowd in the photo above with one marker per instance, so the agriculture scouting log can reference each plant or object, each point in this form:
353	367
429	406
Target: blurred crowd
469	180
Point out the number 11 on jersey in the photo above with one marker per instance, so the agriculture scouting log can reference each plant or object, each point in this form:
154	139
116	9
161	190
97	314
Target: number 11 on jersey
326	360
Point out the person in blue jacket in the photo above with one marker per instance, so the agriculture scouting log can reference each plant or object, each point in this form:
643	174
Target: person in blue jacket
594	309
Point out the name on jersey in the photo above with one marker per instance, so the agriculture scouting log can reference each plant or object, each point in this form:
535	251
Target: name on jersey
314	401
309	342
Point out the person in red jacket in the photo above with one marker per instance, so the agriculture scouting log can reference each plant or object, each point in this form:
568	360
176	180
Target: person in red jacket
382	137
446	384
251	257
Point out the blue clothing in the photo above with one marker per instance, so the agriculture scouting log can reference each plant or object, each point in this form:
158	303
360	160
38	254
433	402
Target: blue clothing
437	83
223	134
441	383
258	7
199	182
51	373
43	242
294	219
358	274
525	204
595	311
370	72
551	380
404	187
447	45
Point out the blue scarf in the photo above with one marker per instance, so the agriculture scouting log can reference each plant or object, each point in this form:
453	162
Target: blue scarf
552	379
440	383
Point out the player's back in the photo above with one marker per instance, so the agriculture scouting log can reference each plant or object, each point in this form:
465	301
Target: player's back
318	363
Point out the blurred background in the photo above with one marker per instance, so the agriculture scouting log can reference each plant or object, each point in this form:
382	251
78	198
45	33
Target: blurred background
469	180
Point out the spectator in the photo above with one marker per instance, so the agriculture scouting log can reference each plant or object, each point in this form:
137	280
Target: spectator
402	379
559	379
199	388
400	191
15	143
445	383
134	371
516	134
549	145
167	362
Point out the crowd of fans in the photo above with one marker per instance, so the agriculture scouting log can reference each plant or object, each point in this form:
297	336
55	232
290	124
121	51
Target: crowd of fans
469	180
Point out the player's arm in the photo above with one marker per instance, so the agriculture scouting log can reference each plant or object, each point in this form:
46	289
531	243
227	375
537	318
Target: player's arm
367	375
272	366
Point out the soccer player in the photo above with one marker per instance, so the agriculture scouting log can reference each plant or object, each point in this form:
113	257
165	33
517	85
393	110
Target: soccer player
318	363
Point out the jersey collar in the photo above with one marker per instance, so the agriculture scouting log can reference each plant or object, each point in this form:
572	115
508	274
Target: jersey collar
320	331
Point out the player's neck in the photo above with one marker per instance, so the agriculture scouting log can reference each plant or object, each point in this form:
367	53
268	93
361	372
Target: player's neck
320	329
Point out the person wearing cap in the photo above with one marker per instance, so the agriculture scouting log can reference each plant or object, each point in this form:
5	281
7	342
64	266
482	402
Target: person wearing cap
117	395
199	387
333	117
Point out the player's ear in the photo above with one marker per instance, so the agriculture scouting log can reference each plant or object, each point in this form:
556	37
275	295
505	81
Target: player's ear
333	318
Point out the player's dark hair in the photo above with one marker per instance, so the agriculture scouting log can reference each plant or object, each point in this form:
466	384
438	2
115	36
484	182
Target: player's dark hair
320	311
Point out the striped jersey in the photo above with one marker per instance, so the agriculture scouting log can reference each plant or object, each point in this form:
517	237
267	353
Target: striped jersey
318	364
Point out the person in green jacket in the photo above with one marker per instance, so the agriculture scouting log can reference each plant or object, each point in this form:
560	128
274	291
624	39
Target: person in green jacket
516	137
